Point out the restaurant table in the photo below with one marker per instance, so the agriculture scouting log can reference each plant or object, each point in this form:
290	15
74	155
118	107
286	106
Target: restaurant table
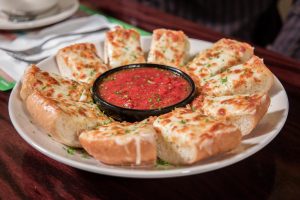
271	173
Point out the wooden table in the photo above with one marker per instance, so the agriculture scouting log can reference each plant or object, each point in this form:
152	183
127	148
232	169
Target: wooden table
272	173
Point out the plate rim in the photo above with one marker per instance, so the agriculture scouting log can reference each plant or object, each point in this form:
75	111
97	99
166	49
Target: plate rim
138	173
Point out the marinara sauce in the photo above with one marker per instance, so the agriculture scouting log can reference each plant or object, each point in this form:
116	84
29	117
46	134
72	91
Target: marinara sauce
144	88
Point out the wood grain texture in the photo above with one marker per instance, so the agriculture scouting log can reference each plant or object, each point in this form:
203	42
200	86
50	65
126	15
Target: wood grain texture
272	173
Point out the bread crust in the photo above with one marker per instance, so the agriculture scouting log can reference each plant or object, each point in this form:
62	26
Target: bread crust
62	125
115	147
28	81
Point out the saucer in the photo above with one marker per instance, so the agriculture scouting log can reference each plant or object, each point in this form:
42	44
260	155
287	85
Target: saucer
63	10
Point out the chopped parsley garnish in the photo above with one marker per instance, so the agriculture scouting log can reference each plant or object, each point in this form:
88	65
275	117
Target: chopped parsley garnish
120	40
127	131
69	150
183	121
85	155
133	56
44	87
134	128
134	36
162	163
224	80
222	70
72	152
92	72
105	122
73	87
193	108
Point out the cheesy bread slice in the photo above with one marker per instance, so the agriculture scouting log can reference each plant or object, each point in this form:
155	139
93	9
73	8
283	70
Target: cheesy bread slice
122	143
122	47
248	78
53	86
64	120
169	47
222	55
80	62
186	137
244	111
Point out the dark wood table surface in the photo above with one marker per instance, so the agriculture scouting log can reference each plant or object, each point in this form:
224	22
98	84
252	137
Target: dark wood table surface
272	173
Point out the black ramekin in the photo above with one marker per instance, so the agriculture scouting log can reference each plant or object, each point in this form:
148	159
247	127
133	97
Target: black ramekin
132	115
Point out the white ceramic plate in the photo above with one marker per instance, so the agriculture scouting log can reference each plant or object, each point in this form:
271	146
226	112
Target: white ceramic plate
63	10
266	130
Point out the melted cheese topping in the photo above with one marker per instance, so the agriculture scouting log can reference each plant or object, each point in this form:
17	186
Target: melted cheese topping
222	55
123	134
82	62
123	47
55	86
183	127
87	110
224	106
168	47
250	77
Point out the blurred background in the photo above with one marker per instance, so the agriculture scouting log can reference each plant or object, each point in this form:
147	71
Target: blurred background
273	24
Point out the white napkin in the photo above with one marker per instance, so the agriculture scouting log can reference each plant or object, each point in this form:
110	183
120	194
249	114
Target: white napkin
15	68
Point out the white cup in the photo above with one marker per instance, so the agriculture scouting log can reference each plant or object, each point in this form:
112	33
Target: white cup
26	7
